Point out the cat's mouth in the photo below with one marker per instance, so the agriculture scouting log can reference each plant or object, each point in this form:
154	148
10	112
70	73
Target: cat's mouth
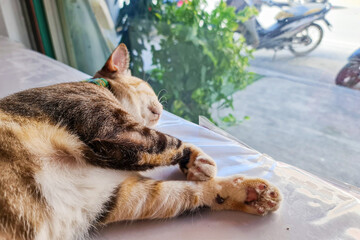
155	119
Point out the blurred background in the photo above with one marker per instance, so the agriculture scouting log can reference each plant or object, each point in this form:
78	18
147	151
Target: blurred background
281	76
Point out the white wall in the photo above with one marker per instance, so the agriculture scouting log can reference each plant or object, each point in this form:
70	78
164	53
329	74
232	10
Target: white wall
12	22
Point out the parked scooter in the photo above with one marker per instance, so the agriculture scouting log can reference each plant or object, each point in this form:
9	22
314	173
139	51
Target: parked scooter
295	28
349	75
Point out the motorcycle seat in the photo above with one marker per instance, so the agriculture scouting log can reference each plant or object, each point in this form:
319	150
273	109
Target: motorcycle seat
300	11
355	56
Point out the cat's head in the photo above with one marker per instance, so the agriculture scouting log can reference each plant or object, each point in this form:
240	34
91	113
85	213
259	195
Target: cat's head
135	95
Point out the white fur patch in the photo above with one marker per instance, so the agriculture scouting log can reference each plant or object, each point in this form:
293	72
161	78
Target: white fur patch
74	191
76	196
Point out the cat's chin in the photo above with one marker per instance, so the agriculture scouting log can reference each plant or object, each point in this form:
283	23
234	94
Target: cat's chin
152	123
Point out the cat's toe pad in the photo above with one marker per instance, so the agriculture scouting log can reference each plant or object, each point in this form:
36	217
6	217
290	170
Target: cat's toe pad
202	169
262	199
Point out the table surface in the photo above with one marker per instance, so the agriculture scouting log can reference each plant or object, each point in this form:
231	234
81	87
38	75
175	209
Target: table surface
312	208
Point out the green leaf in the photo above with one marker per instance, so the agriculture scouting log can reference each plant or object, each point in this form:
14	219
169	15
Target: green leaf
158	16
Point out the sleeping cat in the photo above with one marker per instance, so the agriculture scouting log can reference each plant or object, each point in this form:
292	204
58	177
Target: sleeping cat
71	153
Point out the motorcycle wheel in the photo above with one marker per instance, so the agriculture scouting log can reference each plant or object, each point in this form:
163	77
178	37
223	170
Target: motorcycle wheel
307	40
348	76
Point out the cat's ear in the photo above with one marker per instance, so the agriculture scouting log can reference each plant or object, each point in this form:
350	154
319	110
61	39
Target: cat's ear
118	60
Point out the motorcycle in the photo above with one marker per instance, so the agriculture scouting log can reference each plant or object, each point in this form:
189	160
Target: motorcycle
349	75
295	28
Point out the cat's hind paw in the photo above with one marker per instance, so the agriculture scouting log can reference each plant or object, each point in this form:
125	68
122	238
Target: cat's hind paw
254	196
262	199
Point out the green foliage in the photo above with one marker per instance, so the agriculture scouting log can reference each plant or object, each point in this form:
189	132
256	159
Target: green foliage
134	23
194	54
230	120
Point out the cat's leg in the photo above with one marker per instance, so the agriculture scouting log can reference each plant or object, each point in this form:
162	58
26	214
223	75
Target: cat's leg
143	198
141	148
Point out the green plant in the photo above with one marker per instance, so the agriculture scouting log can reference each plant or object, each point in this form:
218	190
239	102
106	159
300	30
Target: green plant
195	56
134	23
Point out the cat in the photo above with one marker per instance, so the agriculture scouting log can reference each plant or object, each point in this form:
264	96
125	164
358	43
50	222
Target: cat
71	153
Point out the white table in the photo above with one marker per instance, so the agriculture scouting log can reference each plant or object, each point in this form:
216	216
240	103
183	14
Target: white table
312	208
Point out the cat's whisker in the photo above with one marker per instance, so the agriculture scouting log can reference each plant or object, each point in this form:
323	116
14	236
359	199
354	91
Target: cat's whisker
161	92
164	101
163	97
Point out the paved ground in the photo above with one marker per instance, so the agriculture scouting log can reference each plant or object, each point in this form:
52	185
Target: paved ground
303	123
297	113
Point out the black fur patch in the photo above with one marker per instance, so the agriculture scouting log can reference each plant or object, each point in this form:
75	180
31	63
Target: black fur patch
178	144
161	143
184	159
219	199
109	153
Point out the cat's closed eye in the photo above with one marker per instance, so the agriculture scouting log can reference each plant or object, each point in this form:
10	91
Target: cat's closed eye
155	111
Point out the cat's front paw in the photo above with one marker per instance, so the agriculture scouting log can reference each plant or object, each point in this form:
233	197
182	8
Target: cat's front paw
199	167
254	196
202	168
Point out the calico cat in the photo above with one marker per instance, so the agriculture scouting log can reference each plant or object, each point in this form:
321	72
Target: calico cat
71	153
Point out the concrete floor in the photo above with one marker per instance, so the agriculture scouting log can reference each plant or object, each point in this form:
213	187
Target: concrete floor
305	124
297	114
